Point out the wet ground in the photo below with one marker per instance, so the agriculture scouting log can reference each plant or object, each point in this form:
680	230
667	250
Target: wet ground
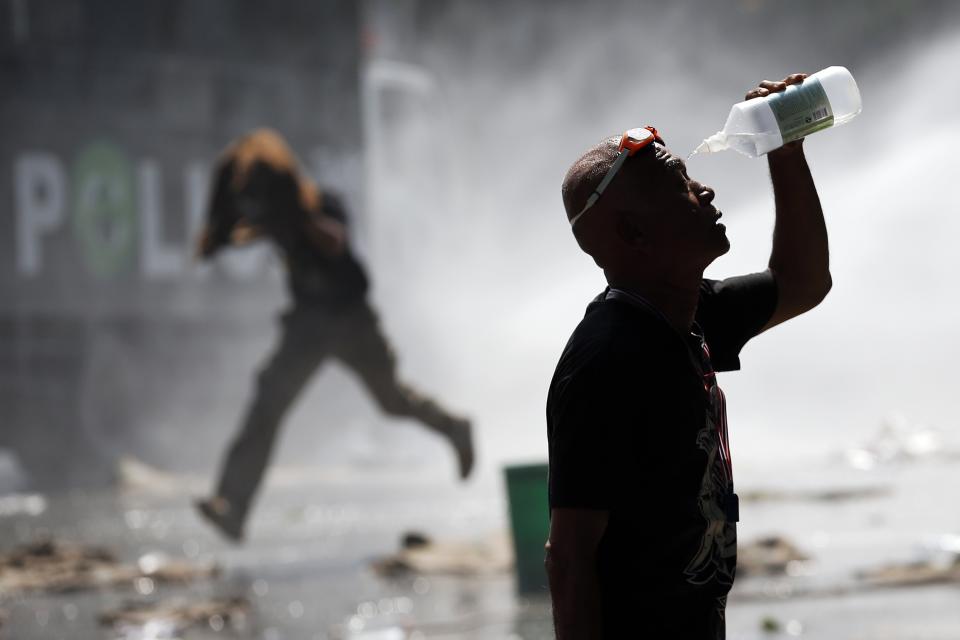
305	571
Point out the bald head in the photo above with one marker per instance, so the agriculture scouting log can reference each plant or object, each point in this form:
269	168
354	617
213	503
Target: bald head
599	225
585	175
650	213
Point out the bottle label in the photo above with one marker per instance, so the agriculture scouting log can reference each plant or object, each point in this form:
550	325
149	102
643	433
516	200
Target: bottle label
801	110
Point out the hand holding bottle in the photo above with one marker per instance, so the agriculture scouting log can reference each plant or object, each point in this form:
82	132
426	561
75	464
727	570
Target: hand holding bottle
767	87
776	114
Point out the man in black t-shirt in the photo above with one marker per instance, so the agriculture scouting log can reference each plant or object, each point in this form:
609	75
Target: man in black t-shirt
260	191
643	510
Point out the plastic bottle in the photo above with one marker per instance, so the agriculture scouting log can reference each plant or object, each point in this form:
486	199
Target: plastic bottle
825	99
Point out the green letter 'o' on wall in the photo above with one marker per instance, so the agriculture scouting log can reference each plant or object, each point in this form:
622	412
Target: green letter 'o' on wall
104	208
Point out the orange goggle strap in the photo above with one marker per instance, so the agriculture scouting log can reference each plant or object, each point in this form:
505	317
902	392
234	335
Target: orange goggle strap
631	142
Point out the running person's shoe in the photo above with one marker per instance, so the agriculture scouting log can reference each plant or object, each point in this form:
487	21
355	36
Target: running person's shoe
460	434
217	512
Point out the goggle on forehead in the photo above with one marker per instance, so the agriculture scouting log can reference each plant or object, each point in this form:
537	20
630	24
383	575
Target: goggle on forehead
631	142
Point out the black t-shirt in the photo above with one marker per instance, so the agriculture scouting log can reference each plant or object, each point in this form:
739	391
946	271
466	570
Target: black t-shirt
316	279
634	424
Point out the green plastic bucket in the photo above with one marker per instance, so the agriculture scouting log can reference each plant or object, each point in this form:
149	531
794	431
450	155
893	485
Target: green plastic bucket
529	523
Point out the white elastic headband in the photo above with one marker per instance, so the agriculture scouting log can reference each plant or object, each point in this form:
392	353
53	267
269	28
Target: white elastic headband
614	168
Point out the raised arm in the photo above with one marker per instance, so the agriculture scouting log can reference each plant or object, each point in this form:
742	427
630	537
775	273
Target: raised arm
327	234
571	563
326	223
800	258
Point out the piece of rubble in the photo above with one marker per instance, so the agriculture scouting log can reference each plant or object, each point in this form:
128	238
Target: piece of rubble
912	574
135	476
770	555
179	615
421	555
816	495
60	567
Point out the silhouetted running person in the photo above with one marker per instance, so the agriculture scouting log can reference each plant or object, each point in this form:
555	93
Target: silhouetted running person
260	191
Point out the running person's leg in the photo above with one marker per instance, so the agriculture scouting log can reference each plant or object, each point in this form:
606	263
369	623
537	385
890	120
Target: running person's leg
301	350
363	347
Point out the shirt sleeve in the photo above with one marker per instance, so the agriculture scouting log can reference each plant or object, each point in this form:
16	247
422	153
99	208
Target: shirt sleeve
732	311
591	416
333	206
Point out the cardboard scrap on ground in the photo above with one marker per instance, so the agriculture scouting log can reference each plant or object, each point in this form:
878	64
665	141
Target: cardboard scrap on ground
179	615
60	567
421	555
771	555
816	495
136	476
912	574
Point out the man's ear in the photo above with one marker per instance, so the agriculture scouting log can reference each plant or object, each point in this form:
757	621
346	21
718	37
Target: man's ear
630	231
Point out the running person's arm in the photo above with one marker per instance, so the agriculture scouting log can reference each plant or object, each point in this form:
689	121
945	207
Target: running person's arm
571	562
800	259
326	225
327	234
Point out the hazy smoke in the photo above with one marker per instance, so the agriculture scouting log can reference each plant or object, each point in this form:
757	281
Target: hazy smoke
482	281
472	113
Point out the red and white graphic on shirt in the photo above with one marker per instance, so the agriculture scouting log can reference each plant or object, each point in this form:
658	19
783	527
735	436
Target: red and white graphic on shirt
715	560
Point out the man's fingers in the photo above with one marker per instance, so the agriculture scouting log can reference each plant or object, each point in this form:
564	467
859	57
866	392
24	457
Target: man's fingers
767	87
772	85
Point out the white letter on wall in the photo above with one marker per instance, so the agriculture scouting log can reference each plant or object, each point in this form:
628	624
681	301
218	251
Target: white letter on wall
156	259
196	180
39	189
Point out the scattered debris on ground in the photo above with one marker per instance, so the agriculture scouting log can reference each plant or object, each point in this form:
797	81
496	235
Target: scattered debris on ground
770	555
774	627
135	476
912	574
769	624
816	495
60	567
419	554
939	563
414	540
176	616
